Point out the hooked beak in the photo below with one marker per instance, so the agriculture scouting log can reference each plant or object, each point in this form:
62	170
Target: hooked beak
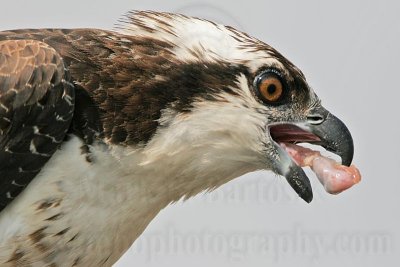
321	128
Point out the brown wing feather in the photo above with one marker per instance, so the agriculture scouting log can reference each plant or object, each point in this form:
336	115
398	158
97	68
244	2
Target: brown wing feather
36	108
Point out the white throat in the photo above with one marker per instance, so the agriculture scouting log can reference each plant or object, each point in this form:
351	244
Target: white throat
93	212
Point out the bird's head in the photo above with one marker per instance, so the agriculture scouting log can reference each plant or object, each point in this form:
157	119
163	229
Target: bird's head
227	102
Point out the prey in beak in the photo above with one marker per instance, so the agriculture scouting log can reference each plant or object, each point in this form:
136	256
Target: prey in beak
324	129
295	115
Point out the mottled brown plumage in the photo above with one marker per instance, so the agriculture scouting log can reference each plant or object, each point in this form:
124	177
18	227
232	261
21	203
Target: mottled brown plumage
163	108
127	79
121	83
36	108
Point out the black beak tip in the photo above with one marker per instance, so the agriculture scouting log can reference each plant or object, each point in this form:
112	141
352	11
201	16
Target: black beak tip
300	183
307	196
347	158
335	137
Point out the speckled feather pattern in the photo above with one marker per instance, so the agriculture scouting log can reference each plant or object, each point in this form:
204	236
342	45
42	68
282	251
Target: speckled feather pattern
36	108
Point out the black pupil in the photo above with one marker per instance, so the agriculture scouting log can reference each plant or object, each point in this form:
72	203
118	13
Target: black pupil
271	89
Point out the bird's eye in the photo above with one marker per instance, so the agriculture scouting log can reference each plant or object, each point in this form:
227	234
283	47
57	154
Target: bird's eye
270	87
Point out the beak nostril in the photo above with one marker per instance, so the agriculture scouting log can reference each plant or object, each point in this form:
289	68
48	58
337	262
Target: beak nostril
315	119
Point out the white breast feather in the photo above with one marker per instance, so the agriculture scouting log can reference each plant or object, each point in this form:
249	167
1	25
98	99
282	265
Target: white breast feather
106	205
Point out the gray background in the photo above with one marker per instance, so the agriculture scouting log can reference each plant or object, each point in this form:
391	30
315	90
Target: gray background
349	52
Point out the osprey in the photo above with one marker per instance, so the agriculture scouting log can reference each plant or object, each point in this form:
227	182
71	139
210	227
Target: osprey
100	130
